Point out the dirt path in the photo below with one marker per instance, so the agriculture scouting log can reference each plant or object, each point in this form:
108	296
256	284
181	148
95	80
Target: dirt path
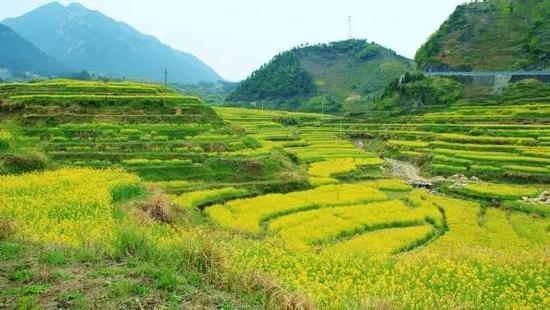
408	172
404	170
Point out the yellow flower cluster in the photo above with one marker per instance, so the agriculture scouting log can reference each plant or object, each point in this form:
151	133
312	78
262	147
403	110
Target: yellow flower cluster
375	244
68	206
317	181
323	225
5	135
503	191
325	169
477	263
467	228
380	243
248	214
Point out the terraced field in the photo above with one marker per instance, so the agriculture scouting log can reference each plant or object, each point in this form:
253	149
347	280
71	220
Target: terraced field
298	206
146	129
492	142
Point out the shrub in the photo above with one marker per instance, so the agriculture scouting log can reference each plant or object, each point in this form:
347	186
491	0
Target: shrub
167	279
21	163
4	145
9	250
416	91
126	192
54	258
287	121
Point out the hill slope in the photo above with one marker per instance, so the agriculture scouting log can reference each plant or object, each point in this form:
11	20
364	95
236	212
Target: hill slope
491	35
322	76
19	57
88	40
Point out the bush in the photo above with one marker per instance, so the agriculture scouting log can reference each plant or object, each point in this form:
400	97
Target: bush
525	89
126	192
54	258
4	145
287	121
21	163
416	91
370	52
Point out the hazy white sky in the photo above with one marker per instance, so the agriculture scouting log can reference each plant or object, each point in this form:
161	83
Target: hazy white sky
237	36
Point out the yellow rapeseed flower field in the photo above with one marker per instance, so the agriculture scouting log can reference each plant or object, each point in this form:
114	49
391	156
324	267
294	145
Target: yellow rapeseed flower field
67	206
322	225
470	265
325	169
247	214
379	243
370	244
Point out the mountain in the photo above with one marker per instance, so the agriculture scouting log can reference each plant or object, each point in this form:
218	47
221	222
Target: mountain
19	57
88	40
328	77
492	35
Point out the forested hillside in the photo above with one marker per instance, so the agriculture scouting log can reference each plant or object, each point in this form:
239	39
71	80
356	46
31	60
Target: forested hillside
324	77
491	35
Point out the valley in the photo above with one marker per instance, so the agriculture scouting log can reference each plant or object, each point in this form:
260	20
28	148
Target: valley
285	204
338	175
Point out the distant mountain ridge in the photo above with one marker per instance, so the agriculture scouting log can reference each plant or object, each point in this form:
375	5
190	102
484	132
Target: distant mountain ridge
84	39
20	58
491	35
324	77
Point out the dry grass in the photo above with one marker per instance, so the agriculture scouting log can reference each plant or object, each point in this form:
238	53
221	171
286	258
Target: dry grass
7	227
159	208
277	297
377	304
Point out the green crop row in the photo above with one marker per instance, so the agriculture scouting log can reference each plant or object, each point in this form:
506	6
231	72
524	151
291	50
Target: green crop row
498	191
446	169
101	101
494	157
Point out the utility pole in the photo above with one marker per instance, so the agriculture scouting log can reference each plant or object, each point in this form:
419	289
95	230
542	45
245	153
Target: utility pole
350	34
165	77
